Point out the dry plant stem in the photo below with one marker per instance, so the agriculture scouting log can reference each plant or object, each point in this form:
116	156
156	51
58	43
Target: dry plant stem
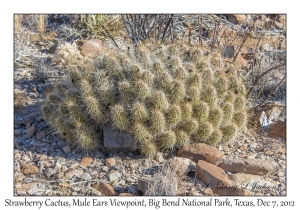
166	28
222	35
272	92
108	34
256	98
260	76
200	29
216	32
244	39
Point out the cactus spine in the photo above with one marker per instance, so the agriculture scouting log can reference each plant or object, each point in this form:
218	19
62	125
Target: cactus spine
165	95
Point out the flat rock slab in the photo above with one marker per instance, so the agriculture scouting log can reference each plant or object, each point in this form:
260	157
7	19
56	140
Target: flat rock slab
252	182
201	151
211	175
118	141
249	166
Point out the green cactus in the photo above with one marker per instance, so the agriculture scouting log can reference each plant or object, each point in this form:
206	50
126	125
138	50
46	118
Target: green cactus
165	95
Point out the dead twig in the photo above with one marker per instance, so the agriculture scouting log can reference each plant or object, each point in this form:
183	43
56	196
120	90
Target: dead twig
108	34
260	76
272	92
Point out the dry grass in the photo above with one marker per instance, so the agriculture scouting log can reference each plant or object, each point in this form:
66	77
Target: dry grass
18	22
165	182
40	21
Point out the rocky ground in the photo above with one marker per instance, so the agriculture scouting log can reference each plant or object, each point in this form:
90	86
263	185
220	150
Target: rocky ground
44	164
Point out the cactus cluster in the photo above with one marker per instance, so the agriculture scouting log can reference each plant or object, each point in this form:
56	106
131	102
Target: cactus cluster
166	95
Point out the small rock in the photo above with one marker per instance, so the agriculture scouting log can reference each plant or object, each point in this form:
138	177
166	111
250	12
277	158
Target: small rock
104	188
125	194
201	151
18	185
110	162
182	165
229	52
267	47
48	164
280	174
243	147
67	149
29	131
114	176
74	172
261	118
268	152
30	169
26	187
91	47
86	177
18	132
274	113
64	186
236	19
208	191
86	161
32	95
122	182
104	168
25	158
279	151
49	172
41	135
159	157
30	118
20	178
211	174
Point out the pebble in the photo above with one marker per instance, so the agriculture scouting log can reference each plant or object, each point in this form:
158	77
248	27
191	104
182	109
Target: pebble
113	176
86	177
67	149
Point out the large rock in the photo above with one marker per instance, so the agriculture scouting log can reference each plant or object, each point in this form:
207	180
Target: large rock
252	182
201	151
278	129
211	175
91	47
249	166
118	141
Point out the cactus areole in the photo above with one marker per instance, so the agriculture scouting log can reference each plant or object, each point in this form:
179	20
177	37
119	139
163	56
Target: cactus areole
165	95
